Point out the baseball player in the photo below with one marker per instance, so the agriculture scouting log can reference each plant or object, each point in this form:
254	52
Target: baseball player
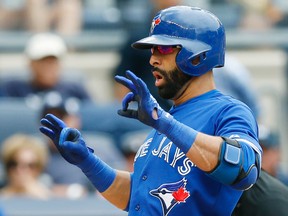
202	154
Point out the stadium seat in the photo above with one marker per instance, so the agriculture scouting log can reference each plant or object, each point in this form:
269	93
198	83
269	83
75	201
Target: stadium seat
104	147
104	118
17	115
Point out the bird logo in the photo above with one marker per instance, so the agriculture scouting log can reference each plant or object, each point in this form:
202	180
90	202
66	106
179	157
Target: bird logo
156	21
171	194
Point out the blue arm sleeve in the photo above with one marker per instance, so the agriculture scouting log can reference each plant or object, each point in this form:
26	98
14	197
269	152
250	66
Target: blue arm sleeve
98	172
180	134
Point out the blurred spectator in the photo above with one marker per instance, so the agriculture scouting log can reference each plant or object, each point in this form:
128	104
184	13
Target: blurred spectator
271	159
131	143
263	14
268	197
235	80
102	14
282	6
44	52
24	158
12	11
66	180
62	16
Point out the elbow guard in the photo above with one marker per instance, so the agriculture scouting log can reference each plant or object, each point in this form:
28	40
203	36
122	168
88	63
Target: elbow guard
238	165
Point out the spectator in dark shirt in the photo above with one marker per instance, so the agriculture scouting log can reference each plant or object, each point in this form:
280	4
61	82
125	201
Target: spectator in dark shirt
268	197
44	51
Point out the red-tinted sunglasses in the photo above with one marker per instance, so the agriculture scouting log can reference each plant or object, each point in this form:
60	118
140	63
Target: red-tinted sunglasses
163	49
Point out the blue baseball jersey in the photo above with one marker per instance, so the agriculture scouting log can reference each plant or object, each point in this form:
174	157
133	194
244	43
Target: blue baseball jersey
166	183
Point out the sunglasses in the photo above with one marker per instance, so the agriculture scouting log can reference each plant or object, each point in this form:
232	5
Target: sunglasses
164	49
13	164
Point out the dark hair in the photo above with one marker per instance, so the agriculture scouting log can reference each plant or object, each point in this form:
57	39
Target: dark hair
268	138
59	105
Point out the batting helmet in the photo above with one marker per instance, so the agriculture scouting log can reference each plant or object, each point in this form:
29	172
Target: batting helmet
198	32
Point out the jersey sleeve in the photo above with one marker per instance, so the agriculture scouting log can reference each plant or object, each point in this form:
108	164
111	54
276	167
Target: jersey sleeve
238	122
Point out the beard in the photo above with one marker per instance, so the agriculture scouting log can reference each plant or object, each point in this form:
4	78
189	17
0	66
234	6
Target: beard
174	81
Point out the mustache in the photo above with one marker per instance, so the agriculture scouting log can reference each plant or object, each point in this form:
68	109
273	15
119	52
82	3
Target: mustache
162	72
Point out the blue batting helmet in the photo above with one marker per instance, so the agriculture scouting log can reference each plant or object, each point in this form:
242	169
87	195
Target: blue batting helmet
198	32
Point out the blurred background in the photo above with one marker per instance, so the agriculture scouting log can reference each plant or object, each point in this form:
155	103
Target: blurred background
94	35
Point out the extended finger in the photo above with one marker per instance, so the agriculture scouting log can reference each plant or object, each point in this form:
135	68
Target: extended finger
143	90
45	122
47	131
55	121
131	76
126	82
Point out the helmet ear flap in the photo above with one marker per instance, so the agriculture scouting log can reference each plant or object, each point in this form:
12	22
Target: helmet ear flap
193	65
198	59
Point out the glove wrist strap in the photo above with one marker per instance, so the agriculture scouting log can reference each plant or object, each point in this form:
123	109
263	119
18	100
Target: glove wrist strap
180	134
98	172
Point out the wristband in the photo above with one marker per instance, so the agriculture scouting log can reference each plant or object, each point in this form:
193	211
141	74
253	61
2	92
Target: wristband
98	172
180	134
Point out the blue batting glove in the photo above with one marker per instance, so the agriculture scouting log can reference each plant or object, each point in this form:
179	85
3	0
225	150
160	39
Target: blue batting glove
68	141
182	135
146	103
72	147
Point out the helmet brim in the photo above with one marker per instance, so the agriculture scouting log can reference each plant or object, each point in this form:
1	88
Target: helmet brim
193	46
149	42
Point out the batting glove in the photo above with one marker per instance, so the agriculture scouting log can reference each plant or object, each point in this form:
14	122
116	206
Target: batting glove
72	147
146	103
68	141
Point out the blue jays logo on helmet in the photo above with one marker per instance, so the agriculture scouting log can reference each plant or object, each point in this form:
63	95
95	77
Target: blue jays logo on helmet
155	22
171	194
198	32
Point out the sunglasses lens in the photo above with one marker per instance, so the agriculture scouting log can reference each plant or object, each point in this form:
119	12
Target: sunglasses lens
162	49
165	49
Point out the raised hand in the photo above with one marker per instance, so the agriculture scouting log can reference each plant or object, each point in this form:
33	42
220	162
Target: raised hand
72	147
148	110
68	141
